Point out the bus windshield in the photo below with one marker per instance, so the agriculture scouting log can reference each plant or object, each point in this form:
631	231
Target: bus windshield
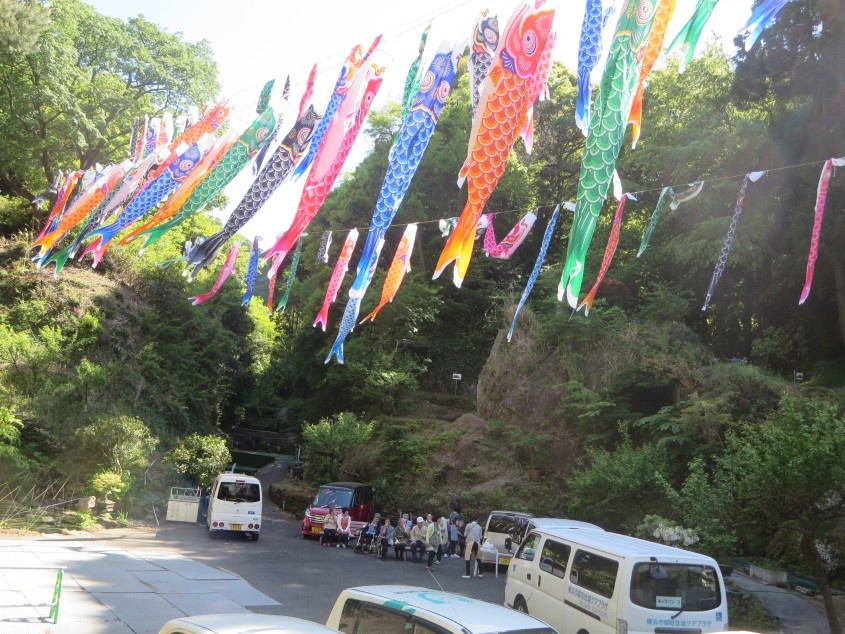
687	587
331	496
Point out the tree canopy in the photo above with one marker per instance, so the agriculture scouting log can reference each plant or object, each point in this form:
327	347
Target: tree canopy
71	91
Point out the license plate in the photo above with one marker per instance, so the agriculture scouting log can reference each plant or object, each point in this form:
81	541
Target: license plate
237	527
504	561
316	529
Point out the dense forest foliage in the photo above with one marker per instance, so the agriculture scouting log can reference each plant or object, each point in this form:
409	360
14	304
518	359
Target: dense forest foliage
651	412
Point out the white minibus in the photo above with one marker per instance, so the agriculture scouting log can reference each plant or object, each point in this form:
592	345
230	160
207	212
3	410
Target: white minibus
597	582
235	505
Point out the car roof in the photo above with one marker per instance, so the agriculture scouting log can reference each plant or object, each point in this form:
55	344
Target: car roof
474	616
347	485
244	623
231	477
519	513
560	522
625	545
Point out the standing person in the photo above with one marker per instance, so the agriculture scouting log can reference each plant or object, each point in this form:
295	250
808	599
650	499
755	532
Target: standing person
452	546
344	529
461	537
385	538
418	540
401	535
330	528
432	540
455	515
443	525
473	543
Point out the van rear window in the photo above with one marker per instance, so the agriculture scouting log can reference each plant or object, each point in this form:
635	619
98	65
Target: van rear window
687	587
239	492
508	524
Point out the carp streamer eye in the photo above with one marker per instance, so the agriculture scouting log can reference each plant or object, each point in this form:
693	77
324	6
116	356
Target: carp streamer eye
529	42
644	11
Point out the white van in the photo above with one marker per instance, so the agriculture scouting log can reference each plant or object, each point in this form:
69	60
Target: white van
397	609
235	505
544	523
596	582
504	528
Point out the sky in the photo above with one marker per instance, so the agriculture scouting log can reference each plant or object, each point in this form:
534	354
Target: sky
257	40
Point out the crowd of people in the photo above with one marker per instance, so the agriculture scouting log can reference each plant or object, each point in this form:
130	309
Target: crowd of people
428	540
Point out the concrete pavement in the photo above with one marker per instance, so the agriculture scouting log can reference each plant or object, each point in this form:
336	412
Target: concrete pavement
132	581
796	614
108	589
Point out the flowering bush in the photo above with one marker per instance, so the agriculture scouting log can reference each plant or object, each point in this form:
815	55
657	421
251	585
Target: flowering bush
667	532
829	556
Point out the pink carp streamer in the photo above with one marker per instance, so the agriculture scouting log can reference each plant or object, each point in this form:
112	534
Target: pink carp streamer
340	268
330	158
609	251
225	272
511	242
821	198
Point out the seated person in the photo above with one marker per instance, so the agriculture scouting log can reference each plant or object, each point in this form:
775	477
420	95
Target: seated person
344	529
330	527
401	535
418	541
385	538
370	531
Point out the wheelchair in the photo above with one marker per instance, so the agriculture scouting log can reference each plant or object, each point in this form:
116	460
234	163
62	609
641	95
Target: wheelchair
367	542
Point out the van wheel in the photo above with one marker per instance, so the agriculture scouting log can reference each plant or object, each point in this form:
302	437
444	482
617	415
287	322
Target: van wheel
255	537
210	534
519	605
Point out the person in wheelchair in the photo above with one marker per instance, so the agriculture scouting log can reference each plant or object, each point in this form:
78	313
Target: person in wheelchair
367	536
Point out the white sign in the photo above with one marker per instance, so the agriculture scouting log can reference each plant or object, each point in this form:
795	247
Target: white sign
456	377
669	602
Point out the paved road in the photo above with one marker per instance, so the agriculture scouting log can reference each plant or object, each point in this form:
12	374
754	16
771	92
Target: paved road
796	614
304	578
133	580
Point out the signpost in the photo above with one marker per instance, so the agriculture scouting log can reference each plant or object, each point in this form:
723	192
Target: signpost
456	378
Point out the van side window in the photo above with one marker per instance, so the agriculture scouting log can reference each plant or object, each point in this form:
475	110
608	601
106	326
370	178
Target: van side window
349	615
376	620
554	558
594	572
529	547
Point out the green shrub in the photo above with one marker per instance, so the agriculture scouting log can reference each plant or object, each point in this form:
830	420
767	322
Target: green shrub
200	458
328	441
107	484
291	497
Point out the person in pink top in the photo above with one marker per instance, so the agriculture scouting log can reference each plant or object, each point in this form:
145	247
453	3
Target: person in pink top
344	529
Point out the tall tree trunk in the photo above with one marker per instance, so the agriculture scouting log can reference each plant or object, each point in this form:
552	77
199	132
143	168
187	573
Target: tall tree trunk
839	278
812	555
